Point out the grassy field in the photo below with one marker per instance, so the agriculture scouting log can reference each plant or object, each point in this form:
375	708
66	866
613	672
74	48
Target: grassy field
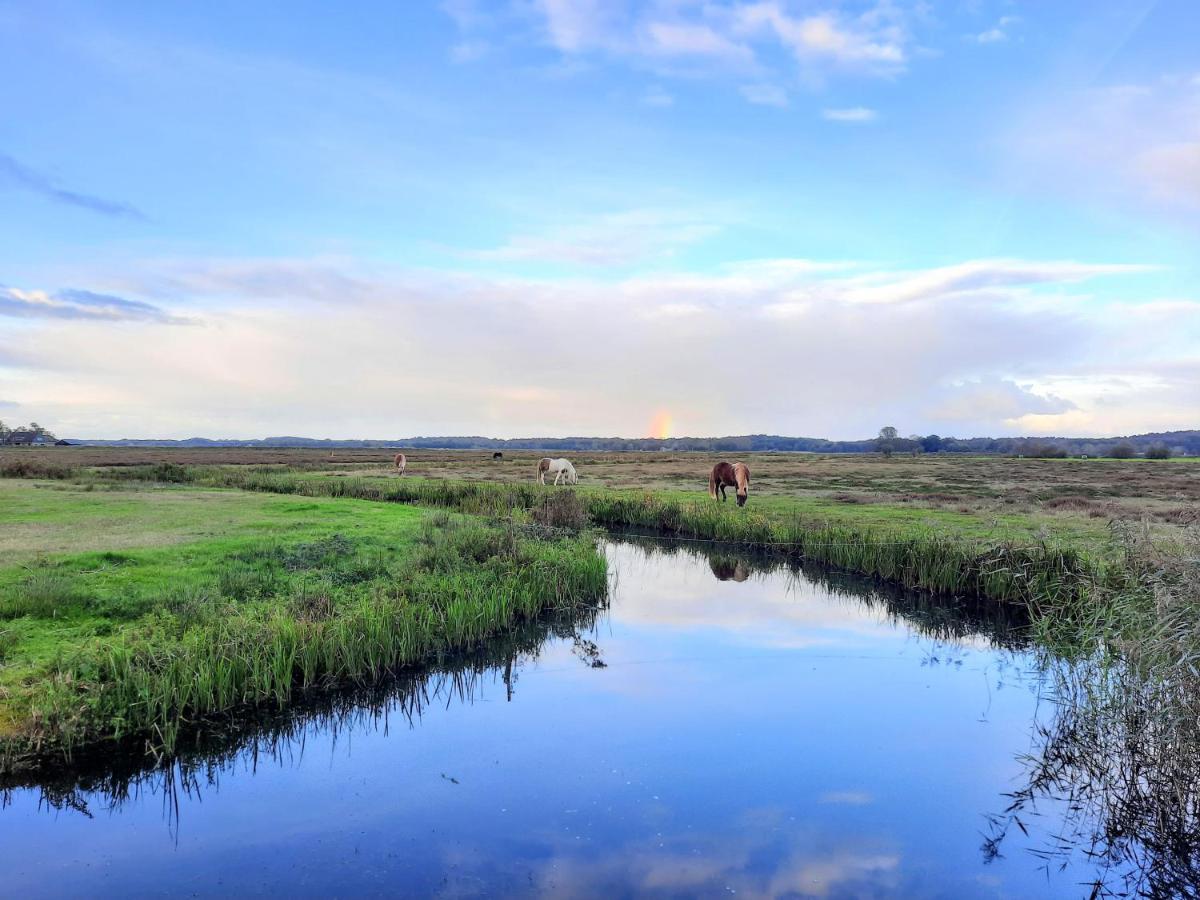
138	608
124	568
1159	488
988	497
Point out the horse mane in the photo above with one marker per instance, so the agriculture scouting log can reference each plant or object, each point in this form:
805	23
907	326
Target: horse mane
741	474
712	482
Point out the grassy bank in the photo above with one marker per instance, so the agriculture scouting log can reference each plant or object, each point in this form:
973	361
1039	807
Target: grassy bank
142	611
998	564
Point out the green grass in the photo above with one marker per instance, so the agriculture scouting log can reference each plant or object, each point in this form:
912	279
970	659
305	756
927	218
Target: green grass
189	596
167	618
935	550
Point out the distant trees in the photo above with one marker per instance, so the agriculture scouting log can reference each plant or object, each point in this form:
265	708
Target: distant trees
931	443
1043	451
1122	451
1159	452
886	442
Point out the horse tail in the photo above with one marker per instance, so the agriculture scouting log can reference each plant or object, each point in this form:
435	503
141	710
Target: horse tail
712	484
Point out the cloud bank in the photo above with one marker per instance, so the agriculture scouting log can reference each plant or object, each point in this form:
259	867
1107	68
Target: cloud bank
785	345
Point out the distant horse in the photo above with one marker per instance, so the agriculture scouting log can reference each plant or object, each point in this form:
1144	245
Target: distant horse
401	462
497	455
725	475
561	468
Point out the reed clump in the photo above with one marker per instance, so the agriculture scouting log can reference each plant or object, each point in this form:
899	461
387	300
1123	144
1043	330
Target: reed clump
283	619
1120	753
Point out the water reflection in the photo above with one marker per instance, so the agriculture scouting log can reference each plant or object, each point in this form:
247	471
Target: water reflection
862	602
732	724
252	737
729	568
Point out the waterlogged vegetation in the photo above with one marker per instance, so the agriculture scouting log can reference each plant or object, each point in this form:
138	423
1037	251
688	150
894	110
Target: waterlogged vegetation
188	603
145	598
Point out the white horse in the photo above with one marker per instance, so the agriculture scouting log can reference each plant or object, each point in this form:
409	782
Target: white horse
561	468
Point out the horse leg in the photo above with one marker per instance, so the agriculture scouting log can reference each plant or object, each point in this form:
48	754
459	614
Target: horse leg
723	492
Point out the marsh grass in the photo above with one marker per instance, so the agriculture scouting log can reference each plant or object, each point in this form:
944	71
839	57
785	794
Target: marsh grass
281	617
43	593
1122	752
118	773
933	559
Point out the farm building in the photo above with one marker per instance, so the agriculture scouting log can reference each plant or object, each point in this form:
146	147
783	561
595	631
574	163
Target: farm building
23	438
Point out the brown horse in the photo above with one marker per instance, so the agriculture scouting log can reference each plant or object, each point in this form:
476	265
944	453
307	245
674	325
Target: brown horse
401	462
726	475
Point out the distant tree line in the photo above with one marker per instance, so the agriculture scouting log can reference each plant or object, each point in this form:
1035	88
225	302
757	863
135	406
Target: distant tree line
1178	443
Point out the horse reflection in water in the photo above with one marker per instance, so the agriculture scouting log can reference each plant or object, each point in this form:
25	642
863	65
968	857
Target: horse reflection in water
728	569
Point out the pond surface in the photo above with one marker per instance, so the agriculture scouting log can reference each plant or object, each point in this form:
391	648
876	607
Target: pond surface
723	728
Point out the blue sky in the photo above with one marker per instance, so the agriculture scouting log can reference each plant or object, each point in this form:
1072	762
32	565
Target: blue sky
562	217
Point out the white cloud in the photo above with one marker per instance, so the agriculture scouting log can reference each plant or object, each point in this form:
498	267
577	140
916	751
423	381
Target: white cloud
993	399
851	114
1138	142
325	348
731	38
826	36
998	32
765	94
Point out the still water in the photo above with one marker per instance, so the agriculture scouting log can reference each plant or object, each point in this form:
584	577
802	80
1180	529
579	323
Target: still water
722	729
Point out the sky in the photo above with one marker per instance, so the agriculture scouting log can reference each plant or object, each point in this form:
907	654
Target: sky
600	217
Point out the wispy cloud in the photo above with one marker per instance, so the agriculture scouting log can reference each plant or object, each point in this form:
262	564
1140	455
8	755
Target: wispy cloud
78	304
695	39
765	94
851	114
469	51
22	176
998	32
614	239
657	96
1138	140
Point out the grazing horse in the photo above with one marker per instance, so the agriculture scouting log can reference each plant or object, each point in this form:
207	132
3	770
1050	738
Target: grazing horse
725	475
401	462
561	468
497	455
